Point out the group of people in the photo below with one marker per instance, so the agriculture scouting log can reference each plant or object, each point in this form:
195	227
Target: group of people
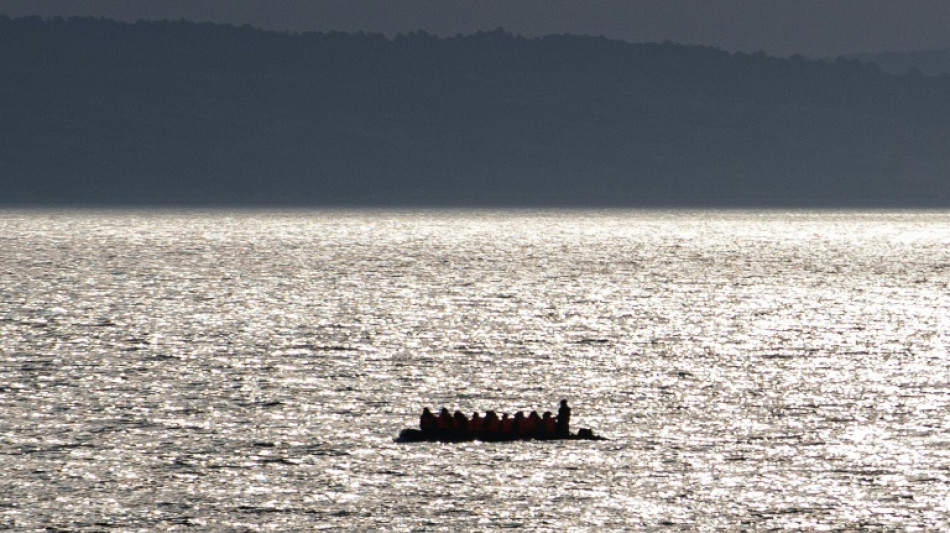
491	426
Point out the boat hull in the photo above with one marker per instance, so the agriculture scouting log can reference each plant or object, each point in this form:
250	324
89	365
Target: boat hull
416	435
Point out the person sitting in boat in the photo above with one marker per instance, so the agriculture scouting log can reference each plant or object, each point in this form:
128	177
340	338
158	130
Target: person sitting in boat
461	421
476	424
563	425
529	427
534	424
427	421
507	425
491	424
444	422
548	425
520	423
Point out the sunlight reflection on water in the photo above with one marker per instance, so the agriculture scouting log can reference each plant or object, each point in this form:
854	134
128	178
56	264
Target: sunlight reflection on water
222	371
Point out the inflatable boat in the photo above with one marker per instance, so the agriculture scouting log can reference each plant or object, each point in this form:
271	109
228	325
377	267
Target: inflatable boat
417	435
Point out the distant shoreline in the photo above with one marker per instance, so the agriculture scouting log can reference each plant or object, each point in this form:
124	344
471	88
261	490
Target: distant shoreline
98	112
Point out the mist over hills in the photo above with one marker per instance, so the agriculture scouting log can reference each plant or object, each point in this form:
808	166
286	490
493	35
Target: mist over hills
98	112
926	62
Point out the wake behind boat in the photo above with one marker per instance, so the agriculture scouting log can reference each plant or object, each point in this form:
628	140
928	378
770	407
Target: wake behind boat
447	427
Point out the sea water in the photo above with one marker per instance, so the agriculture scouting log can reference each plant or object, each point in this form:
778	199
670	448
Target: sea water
248	371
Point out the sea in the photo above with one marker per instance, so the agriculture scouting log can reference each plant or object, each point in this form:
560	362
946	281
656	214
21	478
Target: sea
249	370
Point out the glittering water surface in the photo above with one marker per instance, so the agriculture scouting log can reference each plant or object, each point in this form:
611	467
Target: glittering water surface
249	370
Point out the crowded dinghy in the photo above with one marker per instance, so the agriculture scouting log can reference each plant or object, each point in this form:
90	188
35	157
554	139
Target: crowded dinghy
456	427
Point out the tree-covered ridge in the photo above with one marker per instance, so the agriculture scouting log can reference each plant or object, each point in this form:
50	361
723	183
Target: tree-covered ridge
99	111
935	62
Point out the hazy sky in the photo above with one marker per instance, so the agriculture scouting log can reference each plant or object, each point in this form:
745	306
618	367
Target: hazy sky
811	27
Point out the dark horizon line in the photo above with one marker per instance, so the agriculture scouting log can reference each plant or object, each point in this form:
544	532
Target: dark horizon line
480	206
498	30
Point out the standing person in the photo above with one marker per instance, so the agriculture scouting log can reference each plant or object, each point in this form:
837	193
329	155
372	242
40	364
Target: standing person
563	420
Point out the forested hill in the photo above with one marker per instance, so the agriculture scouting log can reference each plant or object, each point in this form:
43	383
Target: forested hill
927	62
100	112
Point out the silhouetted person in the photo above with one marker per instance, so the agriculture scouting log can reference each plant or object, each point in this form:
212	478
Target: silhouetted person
548	425
507	425
491	425
563	420
427	421
533	424
521	428
445	422
461	422
476	424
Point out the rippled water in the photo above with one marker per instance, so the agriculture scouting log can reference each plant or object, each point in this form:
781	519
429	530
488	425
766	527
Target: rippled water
249	370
